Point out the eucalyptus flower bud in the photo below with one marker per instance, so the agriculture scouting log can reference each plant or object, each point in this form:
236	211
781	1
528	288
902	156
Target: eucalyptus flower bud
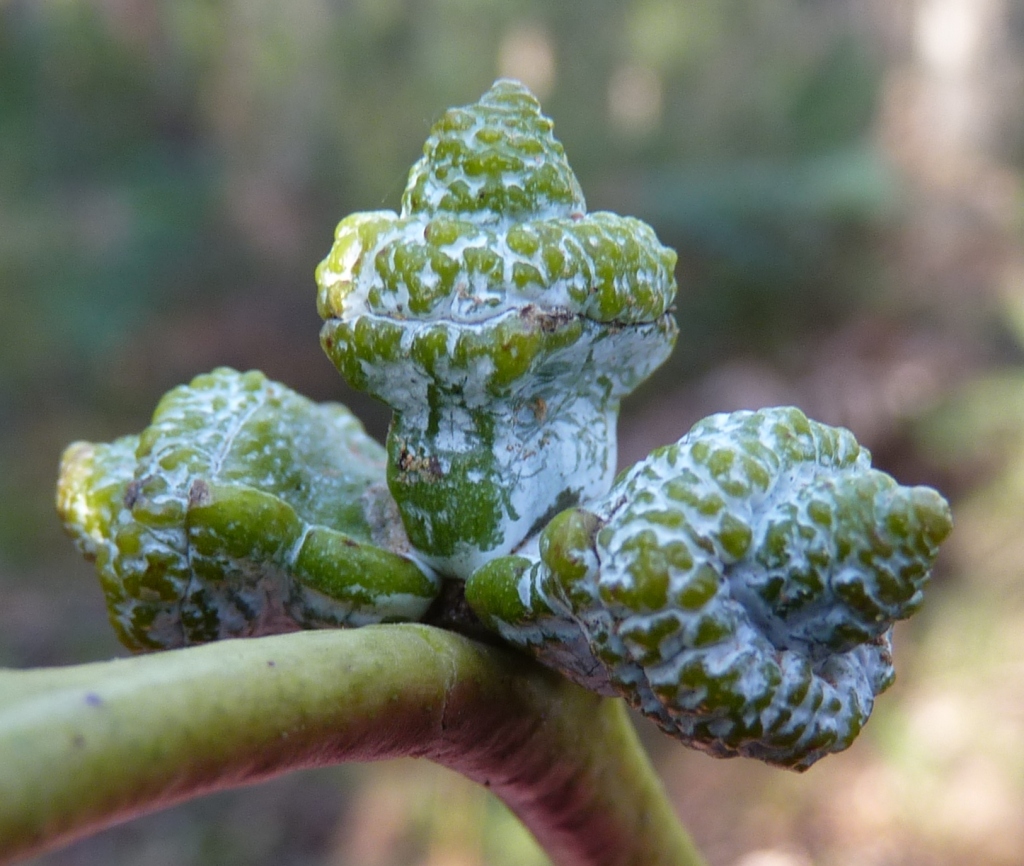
244	509
501	323
738	587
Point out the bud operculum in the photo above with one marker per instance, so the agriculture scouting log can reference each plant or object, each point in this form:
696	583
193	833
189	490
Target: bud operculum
739	587
501	323
243	509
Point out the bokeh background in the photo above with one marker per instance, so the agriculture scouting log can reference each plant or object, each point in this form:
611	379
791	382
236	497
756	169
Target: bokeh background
843	181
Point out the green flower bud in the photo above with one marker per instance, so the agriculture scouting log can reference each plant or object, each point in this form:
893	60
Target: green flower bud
738	587
244	509
501	323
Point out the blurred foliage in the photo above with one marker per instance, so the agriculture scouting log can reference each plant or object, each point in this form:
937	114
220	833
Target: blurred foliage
415	812
171	173
962	792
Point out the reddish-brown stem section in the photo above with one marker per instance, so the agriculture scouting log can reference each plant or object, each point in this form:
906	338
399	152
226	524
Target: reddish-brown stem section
85	747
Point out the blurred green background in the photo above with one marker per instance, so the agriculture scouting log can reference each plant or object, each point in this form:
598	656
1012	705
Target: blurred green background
843	181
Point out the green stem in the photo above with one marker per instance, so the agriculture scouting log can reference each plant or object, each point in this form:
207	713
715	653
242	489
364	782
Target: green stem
85	747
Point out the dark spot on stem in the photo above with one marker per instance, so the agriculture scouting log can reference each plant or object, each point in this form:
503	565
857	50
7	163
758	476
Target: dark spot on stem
547	321
199	493
93	699
131	493
429	468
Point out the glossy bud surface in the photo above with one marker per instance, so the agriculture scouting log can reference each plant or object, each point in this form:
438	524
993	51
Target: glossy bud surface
739	587
502	324
243	509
